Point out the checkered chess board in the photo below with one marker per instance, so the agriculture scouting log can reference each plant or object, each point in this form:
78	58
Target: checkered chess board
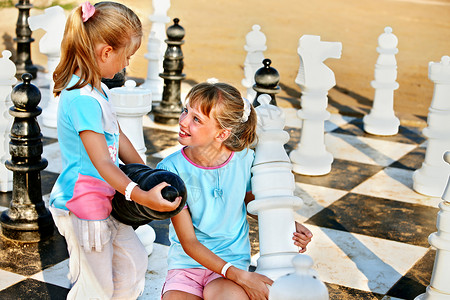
370	227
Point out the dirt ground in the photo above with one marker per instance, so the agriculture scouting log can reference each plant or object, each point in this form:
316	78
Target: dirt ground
215	39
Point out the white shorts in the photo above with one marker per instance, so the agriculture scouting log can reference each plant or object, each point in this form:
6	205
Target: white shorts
107	259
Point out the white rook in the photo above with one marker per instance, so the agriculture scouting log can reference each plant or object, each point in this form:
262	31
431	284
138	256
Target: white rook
381	120
131	104
52	21
273	185
156	48
7	80
439	288
431	178
255	47
315	80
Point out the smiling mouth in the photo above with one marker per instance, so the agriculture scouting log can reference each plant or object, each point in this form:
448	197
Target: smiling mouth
183	134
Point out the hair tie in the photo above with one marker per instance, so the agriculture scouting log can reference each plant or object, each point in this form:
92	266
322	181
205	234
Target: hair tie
247	110
88	11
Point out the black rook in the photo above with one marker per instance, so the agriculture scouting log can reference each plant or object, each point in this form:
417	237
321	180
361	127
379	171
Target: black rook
170	107
27	219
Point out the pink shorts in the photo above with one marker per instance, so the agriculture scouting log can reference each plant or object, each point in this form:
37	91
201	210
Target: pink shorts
191	281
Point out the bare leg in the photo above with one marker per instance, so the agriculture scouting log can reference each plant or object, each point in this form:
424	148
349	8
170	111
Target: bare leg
224	289
179	295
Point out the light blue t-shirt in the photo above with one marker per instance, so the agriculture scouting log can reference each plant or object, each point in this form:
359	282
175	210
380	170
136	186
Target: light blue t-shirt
215	199
79	110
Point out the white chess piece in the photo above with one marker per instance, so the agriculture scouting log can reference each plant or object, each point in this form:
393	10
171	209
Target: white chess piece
381	120
131	104
53	22
431	178
315	79
273	185
7	80
255	47
439	288
303	284
156	48
147	236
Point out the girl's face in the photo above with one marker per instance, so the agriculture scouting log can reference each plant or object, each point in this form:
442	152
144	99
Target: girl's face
112	61
117	60
197	129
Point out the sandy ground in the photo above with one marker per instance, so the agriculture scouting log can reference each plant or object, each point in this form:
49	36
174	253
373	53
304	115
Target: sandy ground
216	30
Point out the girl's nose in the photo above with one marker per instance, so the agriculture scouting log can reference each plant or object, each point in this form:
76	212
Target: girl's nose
183	118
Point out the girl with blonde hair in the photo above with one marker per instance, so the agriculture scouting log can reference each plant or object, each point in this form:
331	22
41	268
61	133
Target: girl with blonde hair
107	260
209	253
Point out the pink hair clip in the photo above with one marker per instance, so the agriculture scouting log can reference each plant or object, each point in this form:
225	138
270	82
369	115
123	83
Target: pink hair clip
88	10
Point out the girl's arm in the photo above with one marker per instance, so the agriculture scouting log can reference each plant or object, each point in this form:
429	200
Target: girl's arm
127	152
254	284
97	149
302	235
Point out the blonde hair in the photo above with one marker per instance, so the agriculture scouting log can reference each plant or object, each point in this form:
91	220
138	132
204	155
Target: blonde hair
227	107
113	24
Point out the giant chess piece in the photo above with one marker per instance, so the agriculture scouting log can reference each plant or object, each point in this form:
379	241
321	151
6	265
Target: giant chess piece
381	120
170	107
431	178
156	48
439	288
273	185
315	79
7	80
266	82
53	21
24	40
255	47
134	214
303	284
27	219
131	104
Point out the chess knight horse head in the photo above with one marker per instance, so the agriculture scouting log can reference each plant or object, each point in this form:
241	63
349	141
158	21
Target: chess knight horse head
53	21
313	74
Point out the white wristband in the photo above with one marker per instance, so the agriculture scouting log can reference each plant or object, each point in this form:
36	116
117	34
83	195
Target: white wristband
128	190
225	269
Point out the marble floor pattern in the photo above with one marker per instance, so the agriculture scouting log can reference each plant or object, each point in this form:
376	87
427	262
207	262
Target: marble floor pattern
370	227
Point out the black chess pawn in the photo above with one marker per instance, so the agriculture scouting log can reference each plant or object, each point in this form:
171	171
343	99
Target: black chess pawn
134	214
266	82
24	40
170	106
27	218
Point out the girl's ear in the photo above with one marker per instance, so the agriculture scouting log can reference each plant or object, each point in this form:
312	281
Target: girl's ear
105	52
223	135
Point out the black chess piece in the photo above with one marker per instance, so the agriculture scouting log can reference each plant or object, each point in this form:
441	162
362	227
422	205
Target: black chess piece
266	82
134	214
170	106
27	218
24	40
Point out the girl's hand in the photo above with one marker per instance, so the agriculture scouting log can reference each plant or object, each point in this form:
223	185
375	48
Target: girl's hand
155	200
254	284
302	237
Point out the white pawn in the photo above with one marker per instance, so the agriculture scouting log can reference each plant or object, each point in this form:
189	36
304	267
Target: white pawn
431	178
439	288
131	104
273	185
53	22
7	80
303	284
381	120
315	79
156	48
255	47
